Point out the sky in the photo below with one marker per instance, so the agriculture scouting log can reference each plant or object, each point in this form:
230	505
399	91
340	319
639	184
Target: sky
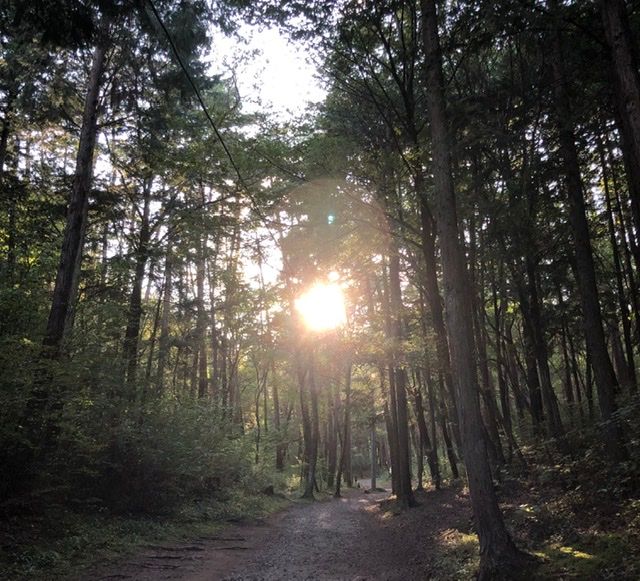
277	75
277	78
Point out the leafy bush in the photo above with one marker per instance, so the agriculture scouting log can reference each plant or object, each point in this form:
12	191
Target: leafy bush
147	460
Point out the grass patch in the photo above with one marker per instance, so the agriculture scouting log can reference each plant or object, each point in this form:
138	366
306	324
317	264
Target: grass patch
458	557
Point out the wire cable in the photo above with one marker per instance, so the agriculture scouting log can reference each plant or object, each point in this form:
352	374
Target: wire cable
227	151
175	51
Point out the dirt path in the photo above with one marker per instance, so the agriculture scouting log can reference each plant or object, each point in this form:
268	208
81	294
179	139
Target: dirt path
351	538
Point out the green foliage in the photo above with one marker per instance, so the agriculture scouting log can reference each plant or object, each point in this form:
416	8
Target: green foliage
152	460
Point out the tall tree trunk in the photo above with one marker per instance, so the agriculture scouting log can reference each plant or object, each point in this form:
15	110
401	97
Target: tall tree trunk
4	142
60	318
628	371
498	553
418	446
332	436
568	381
337	491
425	440
308	431
201	322
503	388
6	129
345	451
554	422
626	239
392	435
275	392
532	373
432	448
577	378
390	410
315	428
432	292
486	385
132	332
604	374
373	442
348	474
152	344
624	55
163	347
405	493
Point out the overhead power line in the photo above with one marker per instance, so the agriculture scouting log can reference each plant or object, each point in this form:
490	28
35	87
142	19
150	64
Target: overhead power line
174	48
204	108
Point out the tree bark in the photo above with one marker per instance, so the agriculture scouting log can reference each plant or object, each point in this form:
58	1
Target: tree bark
486	385
345	450
503	388
373	443
624	56
275	392
626	239
498	553
390	410
132	332
60	319
425	440
332	436
4	141
163	346
201	322
311	429
606	381
348	476
532	373
627	371
554	422
405	493
432	292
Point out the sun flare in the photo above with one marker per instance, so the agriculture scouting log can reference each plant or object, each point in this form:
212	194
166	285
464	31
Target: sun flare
322	307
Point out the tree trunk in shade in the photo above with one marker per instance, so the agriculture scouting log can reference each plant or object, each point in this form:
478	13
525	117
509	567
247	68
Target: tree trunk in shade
163	347
132	332
604	375
201	321
498	553
404	493
425	441
624	57
64	293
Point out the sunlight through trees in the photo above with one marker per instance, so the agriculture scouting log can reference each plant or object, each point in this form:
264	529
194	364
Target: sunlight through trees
426	281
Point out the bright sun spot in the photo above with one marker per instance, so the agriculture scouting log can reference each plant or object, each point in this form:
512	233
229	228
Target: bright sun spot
322	307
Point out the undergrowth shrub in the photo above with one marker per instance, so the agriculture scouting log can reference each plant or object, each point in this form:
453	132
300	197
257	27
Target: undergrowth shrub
146	460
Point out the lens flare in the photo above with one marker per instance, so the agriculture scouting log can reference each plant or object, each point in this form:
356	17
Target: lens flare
322	307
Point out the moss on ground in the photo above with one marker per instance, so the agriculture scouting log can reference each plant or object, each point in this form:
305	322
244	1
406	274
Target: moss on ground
594	556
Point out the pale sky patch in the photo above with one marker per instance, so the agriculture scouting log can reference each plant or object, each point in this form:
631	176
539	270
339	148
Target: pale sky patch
278	76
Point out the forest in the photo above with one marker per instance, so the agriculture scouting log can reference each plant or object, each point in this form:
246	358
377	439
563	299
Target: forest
401	328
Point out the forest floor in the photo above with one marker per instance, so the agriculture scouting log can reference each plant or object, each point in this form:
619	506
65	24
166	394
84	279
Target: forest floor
574	533
355	537
577	527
